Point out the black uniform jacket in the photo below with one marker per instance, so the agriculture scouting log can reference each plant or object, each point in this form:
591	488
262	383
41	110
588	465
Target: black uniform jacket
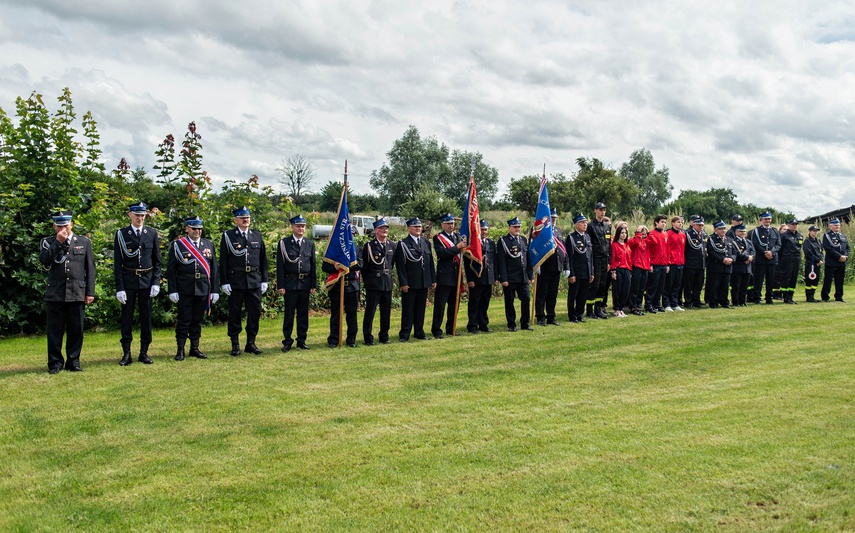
791	244
512	260
71	268
600	234
295	265
352	277
835	245
378	259
243	262
185	275
765	239
580	254
414	263
813	251
718	248
696	251
446	264
488	270
136	265
743	249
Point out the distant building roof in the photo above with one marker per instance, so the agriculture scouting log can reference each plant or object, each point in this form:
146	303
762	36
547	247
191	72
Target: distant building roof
845	214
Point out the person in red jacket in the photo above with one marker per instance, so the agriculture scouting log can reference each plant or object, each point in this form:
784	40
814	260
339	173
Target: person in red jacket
676	260
657	244
620	267
640	269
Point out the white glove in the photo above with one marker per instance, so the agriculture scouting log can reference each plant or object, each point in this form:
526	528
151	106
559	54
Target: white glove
155	290
566	273
226	289
174	297
263	287
122	296
214	298
537	271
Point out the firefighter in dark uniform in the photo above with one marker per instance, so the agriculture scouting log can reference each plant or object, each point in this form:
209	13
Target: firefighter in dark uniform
480	282
549	278
812	249
581	262
735	222
70	263
693	270
514	273
790	255
297	280
600	233
137	270
191	276
742	266
243	278
416	274
836	254
352	293
447	245
378	259
767	242
720	258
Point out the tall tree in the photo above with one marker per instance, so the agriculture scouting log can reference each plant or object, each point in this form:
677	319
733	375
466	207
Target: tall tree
486	178
653	184
296	175
594	182
522	193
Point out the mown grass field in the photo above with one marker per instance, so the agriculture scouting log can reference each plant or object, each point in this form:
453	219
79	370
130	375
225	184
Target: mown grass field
734	420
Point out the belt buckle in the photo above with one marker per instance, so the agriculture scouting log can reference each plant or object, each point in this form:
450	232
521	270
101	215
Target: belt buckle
386	271
249	269
198	275
138	272
301	276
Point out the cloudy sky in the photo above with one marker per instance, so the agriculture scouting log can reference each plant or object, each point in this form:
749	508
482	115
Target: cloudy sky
757	96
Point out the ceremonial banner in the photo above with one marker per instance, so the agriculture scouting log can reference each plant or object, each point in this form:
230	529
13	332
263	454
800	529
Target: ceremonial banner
542	243
341	250
470	228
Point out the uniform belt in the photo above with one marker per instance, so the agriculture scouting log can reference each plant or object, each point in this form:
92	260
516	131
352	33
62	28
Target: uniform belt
198	275
302	276
251	269
138	271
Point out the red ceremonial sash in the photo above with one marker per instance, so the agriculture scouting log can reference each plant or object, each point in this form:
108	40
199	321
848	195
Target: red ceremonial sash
560	245
200	259
448	244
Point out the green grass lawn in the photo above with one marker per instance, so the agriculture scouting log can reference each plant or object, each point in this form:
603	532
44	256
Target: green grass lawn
706	420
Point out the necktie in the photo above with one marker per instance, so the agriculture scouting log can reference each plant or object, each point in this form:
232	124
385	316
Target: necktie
196	244
137	231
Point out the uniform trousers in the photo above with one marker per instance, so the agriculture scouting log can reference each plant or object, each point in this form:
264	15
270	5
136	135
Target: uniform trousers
373	300
656	286
833	273
351	305
620	288
673	284
191	311
789	269
763	273
576	297
252	299
693	281
296	305
739	287
719	283
140	299
479	304
546	295
637	287
67	318
512	291
811	283
598	289
444	295
413	303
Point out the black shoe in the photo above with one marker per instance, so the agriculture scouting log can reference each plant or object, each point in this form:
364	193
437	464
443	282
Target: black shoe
591	316
195	352
179	356
651	311
573	320
599	312
541	323
512	328
302	346
527	328
769	302
235	350
436	334
252	348
332	345
372	343
126	359
473	331
351	344
486	330
54	371
145	359
75	369
789	302
726	306
841	300
637	312
422	337
553	322
386	341
286	347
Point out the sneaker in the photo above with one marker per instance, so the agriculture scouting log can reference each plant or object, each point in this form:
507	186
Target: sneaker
668	309
678	308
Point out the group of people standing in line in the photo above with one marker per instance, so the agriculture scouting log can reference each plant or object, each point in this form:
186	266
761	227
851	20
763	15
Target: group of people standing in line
652	271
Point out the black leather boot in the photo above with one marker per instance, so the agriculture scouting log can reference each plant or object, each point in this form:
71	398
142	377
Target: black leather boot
251	347
194	349
126	354
235	345
179	355
144	358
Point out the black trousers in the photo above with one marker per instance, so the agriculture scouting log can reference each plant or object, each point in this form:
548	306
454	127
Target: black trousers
620	289
789	269
811	283
673	283
413	303
191	312
351	306
140	299
719	283
373	300
296	305
511	292
577	296
763	272
252	299
739	287
479	304
693	282
64	318
656	287
599	288
637	287
546	295
835	273
444	303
